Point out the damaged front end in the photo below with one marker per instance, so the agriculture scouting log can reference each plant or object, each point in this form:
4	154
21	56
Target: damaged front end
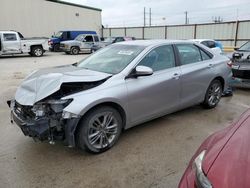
46	121
38	108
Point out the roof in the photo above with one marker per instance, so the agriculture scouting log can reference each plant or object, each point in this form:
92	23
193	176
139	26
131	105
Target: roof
73	4
200	40
153	42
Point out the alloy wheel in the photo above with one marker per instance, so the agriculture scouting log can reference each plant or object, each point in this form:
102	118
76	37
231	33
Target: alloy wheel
214	94
103	129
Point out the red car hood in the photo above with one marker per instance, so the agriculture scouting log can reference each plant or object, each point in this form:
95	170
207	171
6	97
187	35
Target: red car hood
231	168
226	152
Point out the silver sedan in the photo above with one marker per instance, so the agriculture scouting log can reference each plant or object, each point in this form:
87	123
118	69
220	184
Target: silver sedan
88	104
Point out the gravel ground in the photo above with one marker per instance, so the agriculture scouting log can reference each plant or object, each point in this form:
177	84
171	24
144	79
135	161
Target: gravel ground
153	154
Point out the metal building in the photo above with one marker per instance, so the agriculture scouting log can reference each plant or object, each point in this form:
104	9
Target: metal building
42	18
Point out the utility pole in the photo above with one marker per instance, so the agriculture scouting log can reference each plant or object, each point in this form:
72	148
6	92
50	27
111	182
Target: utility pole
144	16
150	17
186	17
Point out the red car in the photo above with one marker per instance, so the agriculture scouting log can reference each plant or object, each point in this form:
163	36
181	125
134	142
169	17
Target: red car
223	160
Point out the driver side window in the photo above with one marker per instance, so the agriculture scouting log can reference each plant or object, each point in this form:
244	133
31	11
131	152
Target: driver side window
89	38
159	58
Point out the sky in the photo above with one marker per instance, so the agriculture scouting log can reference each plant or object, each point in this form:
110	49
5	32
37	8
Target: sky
167	12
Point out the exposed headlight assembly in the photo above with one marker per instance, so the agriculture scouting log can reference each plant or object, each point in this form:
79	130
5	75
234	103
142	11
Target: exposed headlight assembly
201	179
59	105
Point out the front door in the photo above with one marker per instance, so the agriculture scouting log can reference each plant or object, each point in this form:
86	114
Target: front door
87	44
158	94
10	43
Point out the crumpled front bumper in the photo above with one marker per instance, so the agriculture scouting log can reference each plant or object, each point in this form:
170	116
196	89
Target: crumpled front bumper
39	128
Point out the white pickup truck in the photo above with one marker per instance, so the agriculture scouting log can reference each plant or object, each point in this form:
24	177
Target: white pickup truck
12	42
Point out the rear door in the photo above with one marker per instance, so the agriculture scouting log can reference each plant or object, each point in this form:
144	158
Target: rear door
158	94
11	43
197	71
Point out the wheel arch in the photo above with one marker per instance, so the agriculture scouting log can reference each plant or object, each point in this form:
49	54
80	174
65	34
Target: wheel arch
114	105
36	45
221	79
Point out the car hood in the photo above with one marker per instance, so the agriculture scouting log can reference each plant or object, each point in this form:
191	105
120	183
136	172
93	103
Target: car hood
54	39
216	162
231	167
45	82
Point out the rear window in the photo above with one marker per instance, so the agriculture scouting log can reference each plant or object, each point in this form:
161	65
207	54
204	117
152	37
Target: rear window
190	53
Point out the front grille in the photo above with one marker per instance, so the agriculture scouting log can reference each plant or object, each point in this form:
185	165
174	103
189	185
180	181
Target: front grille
244	74
24	112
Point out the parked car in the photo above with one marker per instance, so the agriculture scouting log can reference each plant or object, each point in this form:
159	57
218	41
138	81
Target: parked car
222	160
12	42
111	40
65	36
82	43
216	46
88	104
241	73
242	53
241	66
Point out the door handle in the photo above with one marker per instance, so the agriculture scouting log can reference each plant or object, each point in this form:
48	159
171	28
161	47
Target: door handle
176	76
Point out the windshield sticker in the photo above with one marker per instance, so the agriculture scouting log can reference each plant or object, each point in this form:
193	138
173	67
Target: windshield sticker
123	52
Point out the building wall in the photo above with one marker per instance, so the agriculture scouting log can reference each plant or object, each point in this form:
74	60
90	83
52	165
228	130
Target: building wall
229	33
43	18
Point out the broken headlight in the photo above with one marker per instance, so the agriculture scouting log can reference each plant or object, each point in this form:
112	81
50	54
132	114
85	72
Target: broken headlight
201	179
40	109
58	105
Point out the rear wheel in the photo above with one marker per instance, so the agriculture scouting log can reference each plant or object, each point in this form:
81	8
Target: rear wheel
37	51
213	94
74	51
99	130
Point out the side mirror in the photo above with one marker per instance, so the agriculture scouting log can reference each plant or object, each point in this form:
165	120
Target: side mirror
236	49
141	71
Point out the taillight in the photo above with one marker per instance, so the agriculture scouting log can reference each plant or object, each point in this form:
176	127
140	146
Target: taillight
230	63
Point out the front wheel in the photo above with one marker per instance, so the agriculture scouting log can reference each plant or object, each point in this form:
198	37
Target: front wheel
213	94
99	130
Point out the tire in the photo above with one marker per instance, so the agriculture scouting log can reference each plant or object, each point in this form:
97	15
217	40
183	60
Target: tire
213	94
93	136
57	48
74	51
37	51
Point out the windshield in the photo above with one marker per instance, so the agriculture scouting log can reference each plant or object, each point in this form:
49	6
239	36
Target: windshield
80	37
245	47
112	59
59	34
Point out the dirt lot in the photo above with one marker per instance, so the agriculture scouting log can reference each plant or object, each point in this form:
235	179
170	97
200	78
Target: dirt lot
154	154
